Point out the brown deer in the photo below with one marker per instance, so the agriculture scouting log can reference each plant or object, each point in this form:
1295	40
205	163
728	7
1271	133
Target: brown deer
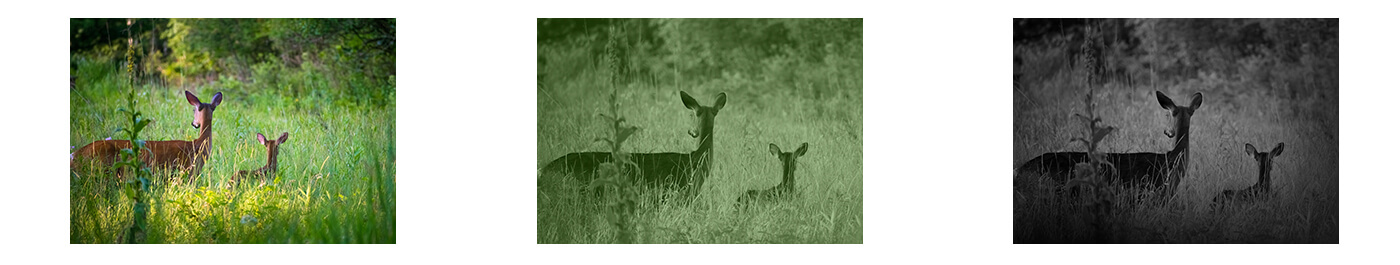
1139	170
180	155
1260	189
268	170
684	172
785	188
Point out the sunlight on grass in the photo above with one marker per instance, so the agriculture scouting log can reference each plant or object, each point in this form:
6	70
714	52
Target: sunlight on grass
335	180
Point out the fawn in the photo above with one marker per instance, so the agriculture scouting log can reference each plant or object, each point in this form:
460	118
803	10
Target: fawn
268	170
1260	189
785	188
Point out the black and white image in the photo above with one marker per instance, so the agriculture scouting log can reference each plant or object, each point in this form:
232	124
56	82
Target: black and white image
1175	131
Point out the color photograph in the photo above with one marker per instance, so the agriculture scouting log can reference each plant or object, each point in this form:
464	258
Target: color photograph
194	131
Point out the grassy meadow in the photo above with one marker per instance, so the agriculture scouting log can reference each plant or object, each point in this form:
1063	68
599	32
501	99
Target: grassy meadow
1275	101
761	108
335	181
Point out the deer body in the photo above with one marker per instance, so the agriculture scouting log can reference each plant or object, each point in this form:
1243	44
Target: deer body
271	167
1260	189
1133	169
676	171
670	170
785	188
175	154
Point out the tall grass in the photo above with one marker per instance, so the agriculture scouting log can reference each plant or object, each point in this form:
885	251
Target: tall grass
783	99
335	181
1237	109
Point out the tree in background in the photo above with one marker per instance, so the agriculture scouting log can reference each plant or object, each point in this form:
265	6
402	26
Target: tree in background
349	58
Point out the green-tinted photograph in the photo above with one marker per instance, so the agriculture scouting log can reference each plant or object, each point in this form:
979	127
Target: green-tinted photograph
712	131
194	131
1176	131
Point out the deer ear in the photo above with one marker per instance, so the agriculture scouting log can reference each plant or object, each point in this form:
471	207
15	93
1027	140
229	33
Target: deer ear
282	139
773	149
1165	101
1277	150
1250	148
1196	100
689	101
218	98
194	101
801	150
262	140
719	102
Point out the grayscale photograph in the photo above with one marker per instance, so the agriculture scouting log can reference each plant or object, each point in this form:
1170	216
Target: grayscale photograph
712	131
1175	131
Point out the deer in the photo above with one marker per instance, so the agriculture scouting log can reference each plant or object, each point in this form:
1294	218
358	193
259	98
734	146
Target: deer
1260	189
1137	170
784	189
267	170
187	156
684	172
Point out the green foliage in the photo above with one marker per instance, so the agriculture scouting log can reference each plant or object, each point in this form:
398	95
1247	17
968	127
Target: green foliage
335	182
617	176
86	34
779	89
221	37
352	60
367	45
130	160
713	46
818	59
189	57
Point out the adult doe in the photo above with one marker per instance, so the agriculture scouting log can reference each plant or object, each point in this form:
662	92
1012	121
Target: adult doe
784	188
1138	170
180	155
1260	189
268	170
684	172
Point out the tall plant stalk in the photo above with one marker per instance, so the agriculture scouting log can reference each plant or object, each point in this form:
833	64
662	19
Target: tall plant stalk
139	184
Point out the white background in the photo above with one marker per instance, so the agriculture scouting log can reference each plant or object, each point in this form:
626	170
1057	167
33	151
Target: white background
938	129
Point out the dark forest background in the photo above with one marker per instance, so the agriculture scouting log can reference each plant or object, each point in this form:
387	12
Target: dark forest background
347	60
1264	82
787	81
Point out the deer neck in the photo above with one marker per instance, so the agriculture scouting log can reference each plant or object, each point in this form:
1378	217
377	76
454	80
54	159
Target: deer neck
1178	159
1181	151
702	154
700	160
204	142
271	161
1264	178
789	178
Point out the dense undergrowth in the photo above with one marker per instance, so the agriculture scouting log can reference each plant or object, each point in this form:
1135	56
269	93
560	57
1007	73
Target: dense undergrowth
1265	81
787	81
336	178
